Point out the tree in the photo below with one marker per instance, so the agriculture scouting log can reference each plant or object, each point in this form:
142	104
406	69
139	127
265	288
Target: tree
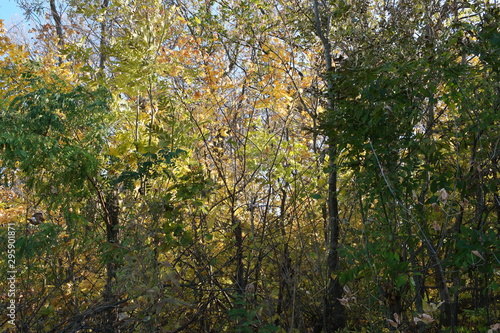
247	166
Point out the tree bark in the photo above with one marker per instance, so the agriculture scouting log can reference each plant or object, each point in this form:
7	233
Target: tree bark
58	23
112	211
240	269
333	311
104	40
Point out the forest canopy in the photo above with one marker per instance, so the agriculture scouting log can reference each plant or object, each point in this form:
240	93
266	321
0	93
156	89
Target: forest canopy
251	166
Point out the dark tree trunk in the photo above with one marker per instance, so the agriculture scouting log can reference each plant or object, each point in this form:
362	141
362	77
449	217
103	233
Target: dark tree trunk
333	311
240	269
58	23
286	278
112	211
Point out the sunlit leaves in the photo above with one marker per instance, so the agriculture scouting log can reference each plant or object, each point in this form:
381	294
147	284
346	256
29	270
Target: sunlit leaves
46	136
208	122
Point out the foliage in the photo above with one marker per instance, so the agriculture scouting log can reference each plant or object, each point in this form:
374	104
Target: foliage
249	166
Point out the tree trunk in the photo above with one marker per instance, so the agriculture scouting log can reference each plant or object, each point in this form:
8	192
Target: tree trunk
286	278
104	40
57	22
333	310
112	211
240	270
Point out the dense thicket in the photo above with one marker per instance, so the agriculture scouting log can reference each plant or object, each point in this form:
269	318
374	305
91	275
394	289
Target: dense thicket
248	166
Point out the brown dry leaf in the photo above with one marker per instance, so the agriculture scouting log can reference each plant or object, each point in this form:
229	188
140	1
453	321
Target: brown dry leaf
443	195
477	254
392	323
